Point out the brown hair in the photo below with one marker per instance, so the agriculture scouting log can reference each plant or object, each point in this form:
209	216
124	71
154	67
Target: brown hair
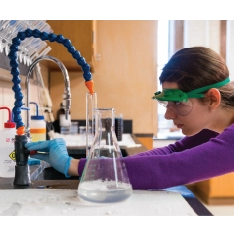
196	67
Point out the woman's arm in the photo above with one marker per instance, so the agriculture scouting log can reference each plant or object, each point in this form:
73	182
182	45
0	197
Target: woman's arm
198	162
73	169
181	145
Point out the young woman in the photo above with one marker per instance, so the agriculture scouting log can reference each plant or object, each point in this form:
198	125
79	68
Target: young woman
199	98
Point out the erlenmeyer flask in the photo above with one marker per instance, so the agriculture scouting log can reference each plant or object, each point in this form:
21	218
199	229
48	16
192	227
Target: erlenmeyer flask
105	178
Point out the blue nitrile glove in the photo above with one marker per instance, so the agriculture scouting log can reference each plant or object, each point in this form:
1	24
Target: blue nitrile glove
55	153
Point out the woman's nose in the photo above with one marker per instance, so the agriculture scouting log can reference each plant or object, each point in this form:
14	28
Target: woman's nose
170	114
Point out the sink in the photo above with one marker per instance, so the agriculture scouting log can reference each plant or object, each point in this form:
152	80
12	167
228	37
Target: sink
49	173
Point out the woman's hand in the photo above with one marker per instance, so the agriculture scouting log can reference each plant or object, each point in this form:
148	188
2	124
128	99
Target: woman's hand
55	153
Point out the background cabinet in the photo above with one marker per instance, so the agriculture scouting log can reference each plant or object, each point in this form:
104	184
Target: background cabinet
125	73
81	34
216	191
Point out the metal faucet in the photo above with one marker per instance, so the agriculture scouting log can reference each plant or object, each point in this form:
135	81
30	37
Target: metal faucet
22	176
67	93
22	172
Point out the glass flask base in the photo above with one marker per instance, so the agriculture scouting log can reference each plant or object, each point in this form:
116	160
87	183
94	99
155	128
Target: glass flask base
104	191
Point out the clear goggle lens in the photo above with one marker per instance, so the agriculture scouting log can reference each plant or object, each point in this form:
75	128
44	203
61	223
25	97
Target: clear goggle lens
180	108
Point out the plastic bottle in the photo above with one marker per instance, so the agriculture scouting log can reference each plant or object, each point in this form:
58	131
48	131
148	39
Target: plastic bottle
63	122
7	148
37	126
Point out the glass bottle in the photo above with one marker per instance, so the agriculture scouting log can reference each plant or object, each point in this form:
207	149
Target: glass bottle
105	178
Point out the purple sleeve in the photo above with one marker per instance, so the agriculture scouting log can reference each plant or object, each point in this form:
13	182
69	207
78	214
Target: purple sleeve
190	160
81	166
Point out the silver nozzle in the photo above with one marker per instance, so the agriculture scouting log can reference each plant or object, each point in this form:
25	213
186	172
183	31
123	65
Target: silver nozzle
66	103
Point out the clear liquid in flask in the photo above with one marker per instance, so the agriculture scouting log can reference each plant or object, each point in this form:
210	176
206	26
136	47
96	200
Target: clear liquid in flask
104	192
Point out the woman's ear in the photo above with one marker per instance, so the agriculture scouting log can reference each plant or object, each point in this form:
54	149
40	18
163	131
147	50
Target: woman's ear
214	97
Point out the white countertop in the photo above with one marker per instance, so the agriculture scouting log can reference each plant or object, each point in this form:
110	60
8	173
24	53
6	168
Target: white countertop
64	202
80	140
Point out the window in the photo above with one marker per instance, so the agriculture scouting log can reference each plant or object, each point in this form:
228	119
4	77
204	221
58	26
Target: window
164	126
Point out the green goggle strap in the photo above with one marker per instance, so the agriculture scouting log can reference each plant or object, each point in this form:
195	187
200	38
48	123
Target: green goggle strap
178	95
199	93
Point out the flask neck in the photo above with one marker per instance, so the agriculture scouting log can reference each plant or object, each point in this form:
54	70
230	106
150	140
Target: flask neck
104	127
104	119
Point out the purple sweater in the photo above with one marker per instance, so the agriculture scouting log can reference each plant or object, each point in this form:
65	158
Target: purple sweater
191	159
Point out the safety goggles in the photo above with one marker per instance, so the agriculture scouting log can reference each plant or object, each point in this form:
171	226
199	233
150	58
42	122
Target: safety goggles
178	101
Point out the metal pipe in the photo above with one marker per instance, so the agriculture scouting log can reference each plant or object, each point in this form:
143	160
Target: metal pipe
67	91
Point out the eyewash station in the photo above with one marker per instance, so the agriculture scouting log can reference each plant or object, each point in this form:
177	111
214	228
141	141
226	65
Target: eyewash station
38	189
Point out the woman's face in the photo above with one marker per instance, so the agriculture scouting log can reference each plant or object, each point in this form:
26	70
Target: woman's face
193	122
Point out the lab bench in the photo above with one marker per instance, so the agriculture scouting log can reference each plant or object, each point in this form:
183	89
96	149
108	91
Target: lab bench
43	176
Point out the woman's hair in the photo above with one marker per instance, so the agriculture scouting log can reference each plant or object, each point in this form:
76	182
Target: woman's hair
196	67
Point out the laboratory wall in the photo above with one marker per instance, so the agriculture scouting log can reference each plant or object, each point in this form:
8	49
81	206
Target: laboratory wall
124	77
125	70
